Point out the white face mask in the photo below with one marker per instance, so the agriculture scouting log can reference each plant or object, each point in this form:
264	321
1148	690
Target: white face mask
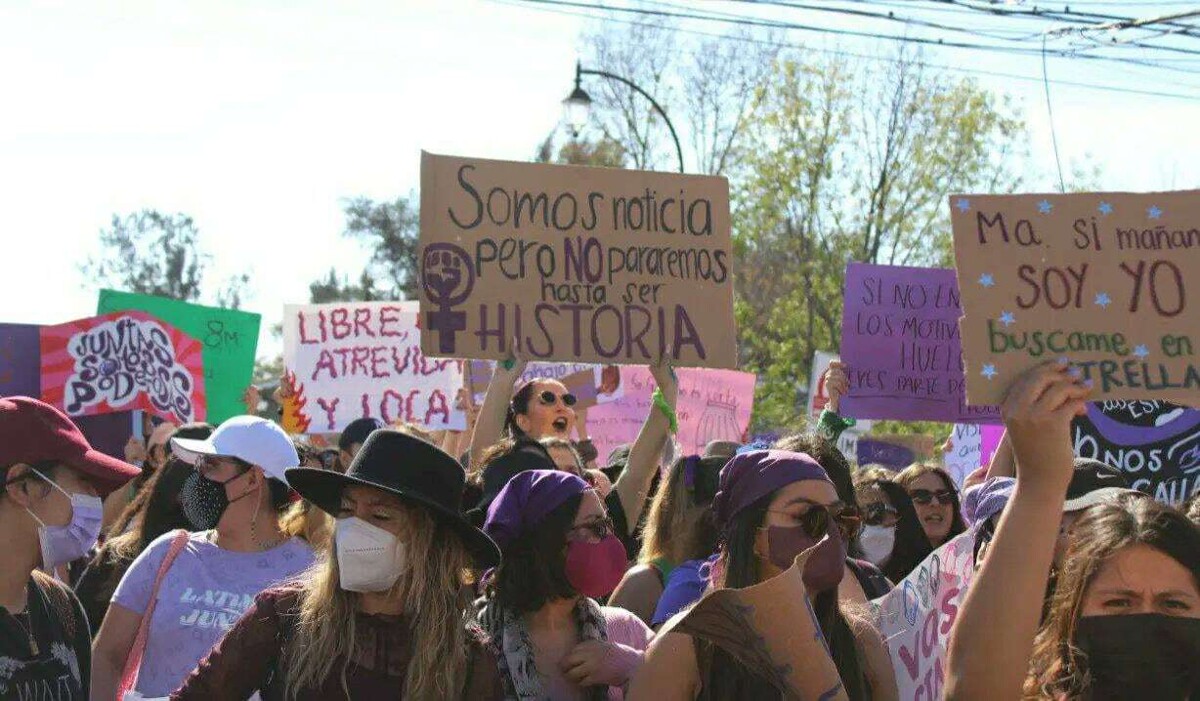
369	558
877	543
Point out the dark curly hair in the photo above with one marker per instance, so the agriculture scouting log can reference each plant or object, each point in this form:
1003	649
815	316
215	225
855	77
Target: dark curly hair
533	571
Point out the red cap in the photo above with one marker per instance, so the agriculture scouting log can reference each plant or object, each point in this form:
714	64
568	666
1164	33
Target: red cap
33	431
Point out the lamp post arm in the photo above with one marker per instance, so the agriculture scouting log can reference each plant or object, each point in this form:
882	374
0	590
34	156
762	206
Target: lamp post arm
654	103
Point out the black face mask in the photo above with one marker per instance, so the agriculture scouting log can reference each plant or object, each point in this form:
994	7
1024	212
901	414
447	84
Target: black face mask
204	501
1141	656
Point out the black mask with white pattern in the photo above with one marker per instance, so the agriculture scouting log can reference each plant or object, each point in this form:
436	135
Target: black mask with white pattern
204	500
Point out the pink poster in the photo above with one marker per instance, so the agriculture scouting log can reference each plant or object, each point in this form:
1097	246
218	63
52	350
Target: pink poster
120	362
990	435
713	405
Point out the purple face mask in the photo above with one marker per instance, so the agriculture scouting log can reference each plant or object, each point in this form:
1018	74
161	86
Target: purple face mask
825	566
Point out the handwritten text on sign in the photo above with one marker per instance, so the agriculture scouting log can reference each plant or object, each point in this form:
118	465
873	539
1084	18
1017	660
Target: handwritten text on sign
364	359
122	361
713	405
917	616
591	264
901	342
1098	279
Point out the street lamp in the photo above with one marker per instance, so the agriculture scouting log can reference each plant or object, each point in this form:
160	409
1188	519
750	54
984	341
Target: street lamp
578	105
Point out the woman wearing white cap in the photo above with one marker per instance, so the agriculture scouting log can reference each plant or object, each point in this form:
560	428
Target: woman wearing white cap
185	591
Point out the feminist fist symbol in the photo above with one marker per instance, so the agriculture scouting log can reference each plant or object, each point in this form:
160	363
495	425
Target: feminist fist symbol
448	279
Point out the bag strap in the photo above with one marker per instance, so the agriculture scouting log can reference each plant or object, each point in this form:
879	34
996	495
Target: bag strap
133	663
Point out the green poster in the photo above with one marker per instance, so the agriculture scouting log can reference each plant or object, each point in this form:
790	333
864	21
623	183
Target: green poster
230	340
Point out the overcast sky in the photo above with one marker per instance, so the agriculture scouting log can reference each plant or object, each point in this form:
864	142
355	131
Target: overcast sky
259	118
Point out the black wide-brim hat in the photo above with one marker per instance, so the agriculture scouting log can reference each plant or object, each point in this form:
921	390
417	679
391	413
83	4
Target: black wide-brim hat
414	470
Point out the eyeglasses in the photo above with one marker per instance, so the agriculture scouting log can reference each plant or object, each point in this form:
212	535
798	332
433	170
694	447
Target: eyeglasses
879	514
815	521
549	398
593	531
924	497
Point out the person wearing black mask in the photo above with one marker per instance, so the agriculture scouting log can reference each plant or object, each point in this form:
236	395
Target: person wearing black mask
1124	621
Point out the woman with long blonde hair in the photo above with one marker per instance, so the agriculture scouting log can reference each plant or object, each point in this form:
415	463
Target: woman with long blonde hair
381	615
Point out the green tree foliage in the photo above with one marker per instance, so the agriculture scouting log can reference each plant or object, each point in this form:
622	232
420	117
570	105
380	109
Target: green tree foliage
158	254
848	162
390	231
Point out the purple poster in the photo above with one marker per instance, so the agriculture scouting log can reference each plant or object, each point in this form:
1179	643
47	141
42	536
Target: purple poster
900	341
20	360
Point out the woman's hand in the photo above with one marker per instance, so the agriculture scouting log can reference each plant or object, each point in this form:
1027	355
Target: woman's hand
252	397
600	663
135	451
666	380
1037	412
514	365
837	384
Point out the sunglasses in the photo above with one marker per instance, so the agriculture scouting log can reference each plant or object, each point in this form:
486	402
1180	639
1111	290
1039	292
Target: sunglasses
924	497
815	521
593	531
879	514
549	398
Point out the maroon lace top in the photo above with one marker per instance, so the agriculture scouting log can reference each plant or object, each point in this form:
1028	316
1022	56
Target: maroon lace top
248	659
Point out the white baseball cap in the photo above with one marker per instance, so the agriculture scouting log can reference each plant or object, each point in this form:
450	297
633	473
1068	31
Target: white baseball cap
253	439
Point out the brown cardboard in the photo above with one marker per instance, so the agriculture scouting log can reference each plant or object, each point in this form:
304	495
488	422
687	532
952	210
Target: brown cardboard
584	264
771	629
1107	281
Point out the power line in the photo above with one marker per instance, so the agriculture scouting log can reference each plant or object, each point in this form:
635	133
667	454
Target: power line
957	69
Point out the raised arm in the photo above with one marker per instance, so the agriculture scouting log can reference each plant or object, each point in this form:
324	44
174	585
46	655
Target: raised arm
633	485
1003	463
831	424
993	637
490	422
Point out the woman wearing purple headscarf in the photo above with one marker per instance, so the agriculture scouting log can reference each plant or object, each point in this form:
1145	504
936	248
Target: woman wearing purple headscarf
772	506
550	637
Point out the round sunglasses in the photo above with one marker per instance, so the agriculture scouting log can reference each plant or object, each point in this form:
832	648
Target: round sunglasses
549	398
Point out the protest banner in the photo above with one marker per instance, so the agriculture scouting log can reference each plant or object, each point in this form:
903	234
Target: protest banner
965	453
916	617
591	384
229	338
818	398
989	441
579	264
364	359
871	451
1098	280
713	405
1155	443
900	340
20	360
120	362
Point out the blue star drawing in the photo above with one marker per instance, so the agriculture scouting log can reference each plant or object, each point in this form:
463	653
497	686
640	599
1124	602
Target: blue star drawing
986	280
1074	372
963	204
1044	206
989	371
1141	351
1088	383
1105	208
1007	319
1154	212
1063	360
1103	300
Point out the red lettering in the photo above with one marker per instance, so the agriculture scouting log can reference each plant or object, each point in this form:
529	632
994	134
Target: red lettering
379	358
362	322
339	323
325	361
329	408
304	339
437	406
383	406
390	316
358	360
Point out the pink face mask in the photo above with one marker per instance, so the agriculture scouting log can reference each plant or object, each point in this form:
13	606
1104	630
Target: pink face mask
825	566
595	569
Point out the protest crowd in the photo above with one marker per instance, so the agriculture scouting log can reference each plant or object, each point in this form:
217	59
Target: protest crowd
477	516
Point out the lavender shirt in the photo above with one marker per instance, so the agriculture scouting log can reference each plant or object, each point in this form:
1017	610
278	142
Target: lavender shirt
202	596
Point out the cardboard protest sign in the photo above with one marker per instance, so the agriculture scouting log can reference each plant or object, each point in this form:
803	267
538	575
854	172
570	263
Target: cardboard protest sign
120	362
1096	279
900	340
20	360
771	629
1156	444
357	359
916	617
713	405
581	264
591	384
229	338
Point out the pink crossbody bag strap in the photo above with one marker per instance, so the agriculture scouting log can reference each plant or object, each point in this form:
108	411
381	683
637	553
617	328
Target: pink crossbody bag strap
133	663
